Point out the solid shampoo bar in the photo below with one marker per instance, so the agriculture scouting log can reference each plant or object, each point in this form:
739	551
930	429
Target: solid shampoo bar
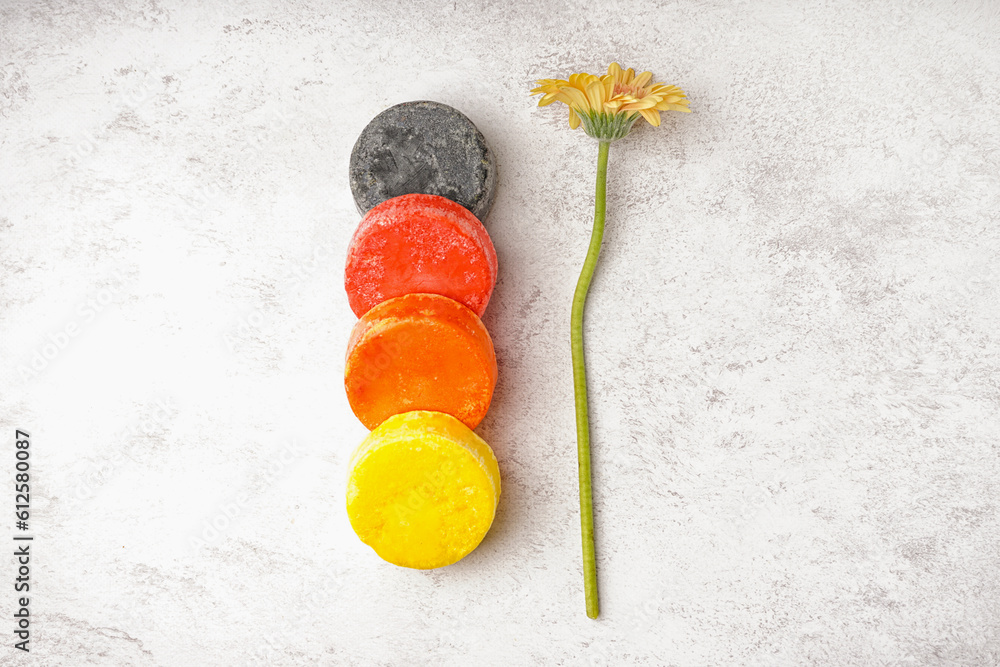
420	352
420	243
423	490
423	147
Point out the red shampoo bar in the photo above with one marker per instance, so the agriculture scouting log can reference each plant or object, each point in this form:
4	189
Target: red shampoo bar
420	244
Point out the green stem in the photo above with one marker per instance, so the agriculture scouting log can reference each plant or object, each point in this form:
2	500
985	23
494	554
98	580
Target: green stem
580	385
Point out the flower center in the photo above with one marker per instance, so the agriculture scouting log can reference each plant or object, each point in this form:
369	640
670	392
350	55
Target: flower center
625	89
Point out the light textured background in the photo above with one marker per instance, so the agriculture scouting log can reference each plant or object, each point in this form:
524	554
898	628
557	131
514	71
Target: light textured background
793	334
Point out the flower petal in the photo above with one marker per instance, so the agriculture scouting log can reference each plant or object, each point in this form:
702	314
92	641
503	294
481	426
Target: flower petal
636	105
652	115
595	95
581	80
547	85
574	120
642	79
672	100
575	98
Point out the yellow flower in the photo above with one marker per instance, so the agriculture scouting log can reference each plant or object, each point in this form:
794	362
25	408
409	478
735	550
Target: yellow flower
608	105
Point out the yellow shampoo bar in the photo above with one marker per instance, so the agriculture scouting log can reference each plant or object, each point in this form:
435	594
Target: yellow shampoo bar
423	489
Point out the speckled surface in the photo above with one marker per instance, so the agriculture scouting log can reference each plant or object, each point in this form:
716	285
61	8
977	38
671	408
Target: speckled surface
793	333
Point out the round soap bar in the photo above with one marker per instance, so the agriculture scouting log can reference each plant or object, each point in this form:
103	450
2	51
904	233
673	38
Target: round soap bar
420	243
420	352
422	490
427	148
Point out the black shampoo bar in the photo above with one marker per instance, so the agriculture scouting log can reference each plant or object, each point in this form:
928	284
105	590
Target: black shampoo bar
424	148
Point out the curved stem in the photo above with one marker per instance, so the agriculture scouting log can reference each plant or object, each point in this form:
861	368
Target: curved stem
580	385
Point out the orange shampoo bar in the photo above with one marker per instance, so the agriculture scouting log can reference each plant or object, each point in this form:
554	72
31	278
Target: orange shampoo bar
420	352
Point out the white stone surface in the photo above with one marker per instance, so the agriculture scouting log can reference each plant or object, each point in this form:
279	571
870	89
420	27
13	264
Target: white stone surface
793	333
